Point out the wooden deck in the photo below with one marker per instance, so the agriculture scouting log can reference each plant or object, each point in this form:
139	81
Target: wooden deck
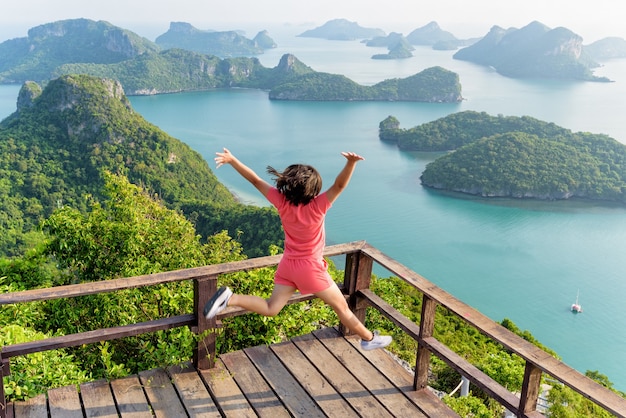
317	375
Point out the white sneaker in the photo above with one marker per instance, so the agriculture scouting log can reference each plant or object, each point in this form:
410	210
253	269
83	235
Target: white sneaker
218	302
379	341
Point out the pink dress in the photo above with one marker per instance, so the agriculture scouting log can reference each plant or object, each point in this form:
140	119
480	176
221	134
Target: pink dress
302	265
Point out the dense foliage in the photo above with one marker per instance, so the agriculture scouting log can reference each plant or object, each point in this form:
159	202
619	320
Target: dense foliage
518	157
60	366
176	70
128	233
321	86
54	149
256	228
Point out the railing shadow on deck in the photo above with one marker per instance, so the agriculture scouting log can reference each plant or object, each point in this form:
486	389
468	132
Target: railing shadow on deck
359	261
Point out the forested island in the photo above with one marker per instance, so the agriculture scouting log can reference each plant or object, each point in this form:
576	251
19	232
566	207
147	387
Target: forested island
434	85
520	157
100	49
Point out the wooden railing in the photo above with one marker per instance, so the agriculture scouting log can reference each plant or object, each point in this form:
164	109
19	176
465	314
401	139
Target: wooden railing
360	258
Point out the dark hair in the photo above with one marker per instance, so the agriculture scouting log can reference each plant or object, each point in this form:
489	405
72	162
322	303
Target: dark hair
299	183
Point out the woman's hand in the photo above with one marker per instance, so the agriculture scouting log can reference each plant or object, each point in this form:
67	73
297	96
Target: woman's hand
224	158
352	157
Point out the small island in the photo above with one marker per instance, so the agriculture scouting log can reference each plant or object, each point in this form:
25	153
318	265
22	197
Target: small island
398	46
518	157
342	30
221	43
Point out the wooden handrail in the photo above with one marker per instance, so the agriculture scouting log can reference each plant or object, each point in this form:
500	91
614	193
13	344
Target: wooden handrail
360	258
536	358
106	286
88	337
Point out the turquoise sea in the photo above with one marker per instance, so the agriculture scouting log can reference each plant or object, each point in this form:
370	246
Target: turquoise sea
518	259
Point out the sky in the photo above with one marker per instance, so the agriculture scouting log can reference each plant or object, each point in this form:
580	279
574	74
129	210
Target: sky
592	20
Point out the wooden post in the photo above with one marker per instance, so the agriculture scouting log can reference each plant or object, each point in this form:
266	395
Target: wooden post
357	276
427	326
204	353
530	389
4	371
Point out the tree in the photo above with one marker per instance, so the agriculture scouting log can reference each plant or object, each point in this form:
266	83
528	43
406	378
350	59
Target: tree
128	234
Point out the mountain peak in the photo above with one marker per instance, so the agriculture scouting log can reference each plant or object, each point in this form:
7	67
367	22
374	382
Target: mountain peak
29	92
88	108
68	91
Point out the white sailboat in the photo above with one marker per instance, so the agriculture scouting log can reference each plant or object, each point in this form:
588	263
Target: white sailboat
576	307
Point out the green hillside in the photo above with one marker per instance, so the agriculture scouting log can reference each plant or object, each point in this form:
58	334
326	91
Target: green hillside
55	147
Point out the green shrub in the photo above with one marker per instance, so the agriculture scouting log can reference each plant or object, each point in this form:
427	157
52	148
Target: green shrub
36	373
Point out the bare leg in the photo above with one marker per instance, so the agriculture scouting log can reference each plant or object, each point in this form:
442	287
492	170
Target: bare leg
265	307
335	299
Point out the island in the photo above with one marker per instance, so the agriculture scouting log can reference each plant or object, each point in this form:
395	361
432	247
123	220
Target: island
221	43
432	35
434	85
515	157
342	30
398	46
534	51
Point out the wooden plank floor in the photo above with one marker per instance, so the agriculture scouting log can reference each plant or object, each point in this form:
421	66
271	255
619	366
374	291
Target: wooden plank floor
317	375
